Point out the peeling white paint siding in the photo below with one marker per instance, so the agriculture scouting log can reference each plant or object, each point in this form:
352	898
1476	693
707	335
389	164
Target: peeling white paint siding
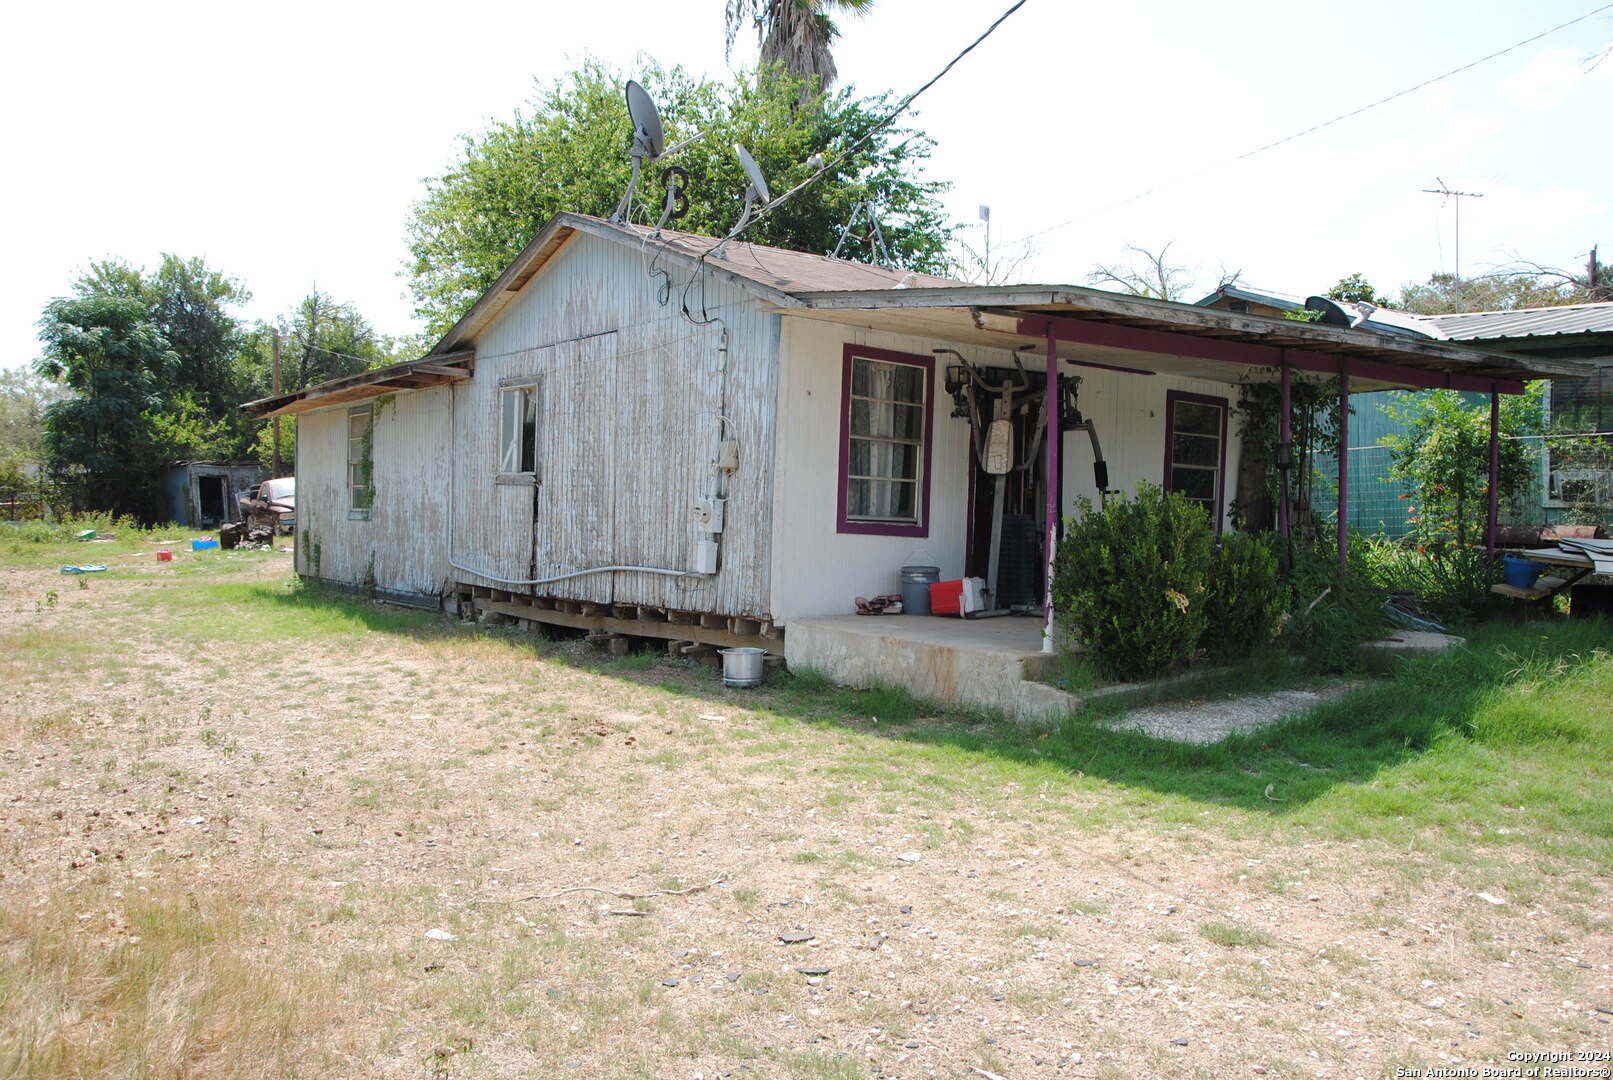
629	423
406	530
408	526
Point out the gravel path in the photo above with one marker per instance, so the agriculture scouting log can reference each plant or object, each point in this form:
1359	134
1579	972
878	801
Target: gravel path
1207	722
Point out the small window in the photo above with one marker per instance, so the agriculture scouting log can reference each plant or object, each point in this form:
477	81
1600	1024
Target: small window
518	431
360	463
1195	448
885	442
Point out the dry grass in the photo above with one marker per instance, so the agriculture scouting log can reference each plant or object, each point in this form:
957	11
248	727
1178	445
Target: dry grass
157	982
279	798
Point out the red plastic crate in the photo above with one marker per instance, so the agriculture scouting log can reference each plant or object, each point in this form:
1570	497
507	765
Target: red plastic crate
946	597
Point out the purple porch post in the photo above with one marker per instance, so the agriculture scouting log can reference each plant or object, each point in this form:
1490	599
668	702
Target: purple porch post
1493	513
1344	465
1285	438
1055	440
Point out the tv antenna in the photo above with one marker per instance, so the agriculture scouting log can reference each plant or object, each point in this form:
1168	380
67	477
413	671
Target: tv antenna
875	237
1448	195
648	142
754	193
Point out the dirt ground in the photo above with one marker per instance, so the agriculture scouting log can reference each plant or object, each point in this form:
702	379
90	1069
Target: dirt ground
400	818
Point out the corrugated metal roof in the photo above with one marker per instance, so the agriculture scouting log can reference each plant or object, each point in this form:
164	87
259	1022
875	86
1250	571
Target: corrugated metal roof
1527	322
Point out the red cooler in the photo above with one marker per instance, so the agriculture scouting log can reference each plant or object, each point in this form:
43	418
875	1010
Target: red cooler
946	597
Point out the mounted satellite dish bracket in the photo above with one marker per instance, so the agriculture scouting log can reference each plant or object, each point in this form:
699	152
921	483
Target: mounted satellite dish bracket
648	142
756	192
676	181
876	235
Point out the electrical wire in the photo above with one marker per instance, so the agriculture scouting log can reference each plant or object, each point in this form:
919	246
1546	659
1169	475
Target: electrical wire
332	352
889	119
1300	134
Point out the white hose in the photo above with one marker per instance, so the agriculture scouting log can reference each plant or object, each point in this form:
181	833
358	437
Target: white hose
574	574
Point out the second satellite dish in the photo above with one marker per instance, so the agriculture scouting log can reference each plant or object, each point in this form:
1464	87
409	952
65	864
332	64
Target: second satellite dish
756	191
758	183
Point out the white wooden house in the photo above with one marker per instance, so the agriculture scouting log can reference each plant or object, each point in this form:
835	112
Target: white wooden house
640	435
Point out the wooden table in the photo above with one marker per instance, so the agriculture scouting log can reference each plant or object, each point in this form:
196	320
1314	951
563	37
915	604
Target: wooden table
1549	586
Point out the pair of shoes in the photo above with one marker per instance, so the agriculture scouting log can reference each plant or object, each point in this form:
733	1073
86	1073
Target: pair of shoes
879	605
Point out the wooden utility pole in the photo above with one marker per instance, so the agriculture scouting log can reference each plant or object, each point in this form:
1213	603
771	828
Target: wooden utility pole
1458	196
276	468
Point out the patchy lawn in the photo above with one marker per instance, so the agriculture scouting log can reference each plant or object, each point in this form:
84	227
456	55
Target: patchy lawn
252	829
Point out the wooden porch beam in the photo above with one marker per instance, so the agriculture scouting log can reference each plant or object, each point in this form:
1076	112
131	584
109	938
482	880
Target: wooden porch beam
1159	342
437	369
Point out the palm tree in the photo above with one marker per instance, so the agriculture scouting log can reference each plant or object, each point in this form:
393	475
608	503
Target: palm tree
794	33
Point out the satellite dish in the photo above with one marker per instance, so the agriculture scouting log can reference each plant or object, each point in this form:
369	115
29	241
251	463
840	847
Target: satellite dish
646	121
758	183
648	142
1332	313
756	192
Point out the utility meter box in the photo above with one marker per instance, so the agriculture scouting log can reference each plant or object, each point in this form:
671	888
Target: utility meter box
706	513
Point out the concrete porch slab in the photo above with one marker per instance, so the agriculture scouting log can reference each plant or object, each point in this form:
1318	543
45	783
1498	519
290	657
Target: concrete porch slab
971	662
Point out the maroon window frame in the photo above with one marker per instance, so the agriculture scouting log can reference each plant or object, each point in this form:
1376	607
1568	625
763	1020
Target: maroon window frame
845	524
1172	397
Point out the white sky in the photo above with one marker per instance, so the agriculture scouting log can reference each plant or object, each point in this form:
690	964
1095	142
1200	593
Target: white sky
284	144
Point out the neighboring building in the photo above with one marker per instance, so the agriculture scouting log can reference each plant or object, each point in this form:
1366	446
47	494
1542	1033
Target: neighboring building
204	494
1577	333
641	434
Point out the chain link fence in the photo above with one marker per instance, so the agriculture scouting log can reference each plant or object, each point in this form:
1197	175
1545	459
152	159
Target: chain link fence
41	500
1573	486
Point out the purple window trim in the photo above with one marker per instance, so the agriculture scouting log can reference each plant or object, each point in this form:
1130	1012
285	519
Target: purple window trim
1171	398
884	528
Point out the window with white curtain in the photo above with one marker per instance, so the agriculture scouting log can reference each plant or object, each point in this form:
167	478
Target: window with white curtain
885	442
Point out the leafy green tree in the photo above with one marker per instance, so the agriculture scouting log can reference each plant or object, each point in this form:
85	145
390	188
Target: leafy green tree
115	360
322	338
1443	454
24	397
188	303
570	152
795	34
1447	294
1356	288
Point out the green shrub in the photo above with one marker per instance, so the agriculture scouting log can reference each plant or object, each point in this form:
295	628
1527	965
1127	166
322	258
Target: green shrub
1329	615
1130	581
1245	595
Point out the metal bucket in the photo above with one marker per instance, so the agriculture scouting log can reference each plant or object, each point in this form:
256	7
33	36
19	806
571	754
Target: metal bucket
916	582
742	667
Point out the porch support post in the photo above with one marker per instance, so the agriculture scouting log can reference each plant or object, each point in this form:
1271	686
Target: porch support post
1493	513
1344	465
1055	446
1285	449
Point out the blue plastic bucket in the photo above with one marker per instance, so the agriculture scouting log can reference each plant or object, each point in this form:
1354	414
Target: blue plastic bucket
1521	573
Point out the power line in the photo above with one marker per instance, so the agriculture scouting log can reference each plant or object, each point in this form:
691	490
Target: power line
1314	128
901	107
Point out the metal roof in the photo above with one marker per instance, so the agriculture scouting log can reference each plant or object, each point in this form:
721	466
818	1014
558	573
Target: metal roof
1527	322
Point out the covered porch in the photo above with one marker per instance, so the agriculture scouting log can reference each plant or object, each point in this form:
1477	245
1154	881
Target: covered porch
1057	332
